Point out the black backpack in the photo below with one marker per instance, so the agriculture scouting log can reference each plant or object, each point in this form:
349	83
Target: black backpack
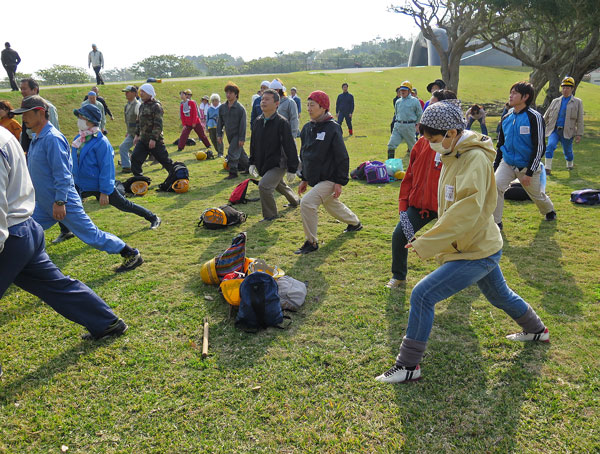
586	196
359	172
516	192
260	306
219	218
178	172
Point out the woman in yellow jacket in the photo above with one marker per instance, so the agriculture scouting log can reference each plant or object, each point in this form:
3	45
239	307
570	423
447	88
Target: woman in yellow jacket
465	240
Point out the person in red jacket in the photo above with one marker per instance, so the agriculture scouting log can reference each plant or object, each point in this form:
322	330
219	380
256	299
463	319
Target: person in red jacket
417	201
188	111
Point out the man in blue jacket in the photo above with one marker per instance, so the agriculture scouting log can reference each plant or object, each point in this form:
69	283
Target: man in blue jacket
94	169
520	148
344	107
56	198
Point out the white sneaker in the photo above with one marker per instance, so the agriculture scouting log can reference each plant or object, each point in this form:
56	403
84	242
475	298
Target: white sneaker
399	374
526	337
395	283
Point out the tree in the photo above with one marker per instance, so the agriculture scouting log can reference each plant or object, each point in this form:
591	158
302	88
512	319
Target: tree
118	74
558	38
64	74
461	19
165	66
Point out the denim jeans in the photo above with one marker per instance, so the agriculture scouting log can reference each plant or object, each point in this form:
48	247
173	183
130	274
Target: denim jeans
451	278
484	130
124	151
567	144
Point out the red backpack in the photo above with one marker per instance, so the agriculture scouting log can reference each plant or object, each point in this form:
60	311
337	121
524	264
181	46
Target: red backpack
239	193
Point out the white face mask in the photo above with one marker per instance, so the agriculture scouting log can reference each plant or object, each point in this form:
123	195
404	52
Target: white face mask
82	124
439	148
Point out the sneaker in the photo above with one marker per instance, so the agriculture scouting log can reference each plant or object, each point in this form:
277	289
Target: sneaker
130	262
115	329
353	228
63	237
569	168
500	226
154	224
272	218
551	216
307	248
400	374
395	283
526	337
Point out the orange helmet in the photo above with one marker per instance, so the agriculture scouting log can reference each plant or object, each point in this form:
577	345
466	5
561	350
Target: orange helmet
225	164
139	187
181	186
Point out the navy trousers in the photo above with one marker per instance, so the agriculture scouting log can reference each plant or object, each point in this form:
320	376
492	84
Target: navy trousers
345	116
25	263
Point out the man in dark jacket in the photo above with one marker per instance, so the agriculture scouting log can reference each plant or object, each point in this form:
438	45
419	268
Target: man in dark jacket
102	101
272	152
344	107
325	166
10	61
149	133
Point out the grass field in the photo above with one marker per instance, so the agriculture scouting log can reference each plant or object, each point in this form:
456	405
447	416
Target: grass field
150	391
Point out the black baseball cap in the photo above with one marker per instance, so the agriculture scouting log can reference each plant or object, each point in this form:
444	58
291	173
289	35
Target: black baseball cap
31	103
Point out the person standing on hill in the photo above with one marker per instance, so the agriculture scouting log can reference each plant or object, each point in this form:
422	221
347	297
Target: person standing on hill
344	107
564	121
232	117
131	111
408	113
96	61
325	166
188	112
520	148
273	155
10	60
149	137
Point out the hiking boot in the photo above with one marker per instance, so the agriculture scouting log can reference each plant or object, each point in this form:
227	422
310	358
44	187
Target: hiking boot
353	228
231	176
307	248
63	237
126	170
130	262
544	336
115	329
272	218
551	216
400	374
154	224
350	132
395	283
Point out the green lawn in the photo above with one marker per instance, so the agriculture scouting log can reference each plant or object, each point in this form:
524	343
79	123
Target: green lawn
150	391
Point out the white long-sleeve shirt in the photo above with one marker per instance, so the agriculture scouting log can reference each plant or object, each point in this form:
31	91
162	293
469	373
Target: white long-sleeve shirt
17	198
95	58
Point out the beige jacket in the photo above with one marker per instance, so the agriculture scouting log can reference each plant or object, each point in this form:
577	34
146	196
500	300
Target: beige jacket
467	195
573	118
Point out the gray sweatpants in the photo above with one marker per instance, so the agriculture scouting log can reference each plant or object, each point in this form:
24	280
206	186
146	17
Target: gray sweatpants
236	156
270	182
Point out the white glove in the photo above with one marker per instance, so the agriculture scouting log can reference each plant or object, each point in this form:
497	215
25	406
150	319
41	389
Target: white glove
253	171
290	177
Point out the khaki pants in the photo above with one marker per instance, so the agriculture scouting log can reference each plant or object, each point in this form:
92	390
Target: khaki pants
505	174
309	209
270	182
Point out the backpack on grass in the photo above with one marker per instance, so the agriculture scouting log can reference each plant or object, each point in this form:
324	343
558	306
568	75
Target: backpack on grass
586	196
376	172
359	172
260	306
219	218
239	193
178	172
516	192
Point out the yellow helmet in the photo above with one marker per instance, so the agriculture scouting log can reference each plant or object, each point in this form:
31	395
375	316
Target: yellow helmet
406	84
261	265
568	82
181	186
139	187
399	175
231	291
201	155
225	165
208	272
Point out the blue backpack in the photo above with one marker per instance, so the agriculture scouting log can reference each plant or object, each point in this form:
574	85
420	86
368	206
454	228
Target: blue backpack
586	196
260	306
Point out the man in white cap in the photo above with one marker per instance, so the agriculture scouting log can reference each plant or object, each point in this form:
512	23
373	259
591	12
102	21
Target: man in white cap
149	133
287	108
256	110
96	61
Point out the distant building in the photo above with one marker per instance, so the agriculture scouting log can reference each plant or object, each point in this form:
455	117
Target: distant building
423	53
594	77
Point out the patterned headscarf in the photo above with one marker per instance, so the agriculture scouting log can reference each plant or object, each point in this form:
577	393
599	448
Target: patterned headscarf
444	115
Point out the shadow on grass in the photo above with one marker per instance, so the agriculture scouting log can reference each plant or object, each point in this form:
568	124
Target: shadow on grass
560	293
473	394
44	373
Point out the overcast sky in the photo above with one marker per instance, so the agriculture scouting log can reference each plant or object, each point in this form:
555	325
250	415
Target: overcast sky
62	32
